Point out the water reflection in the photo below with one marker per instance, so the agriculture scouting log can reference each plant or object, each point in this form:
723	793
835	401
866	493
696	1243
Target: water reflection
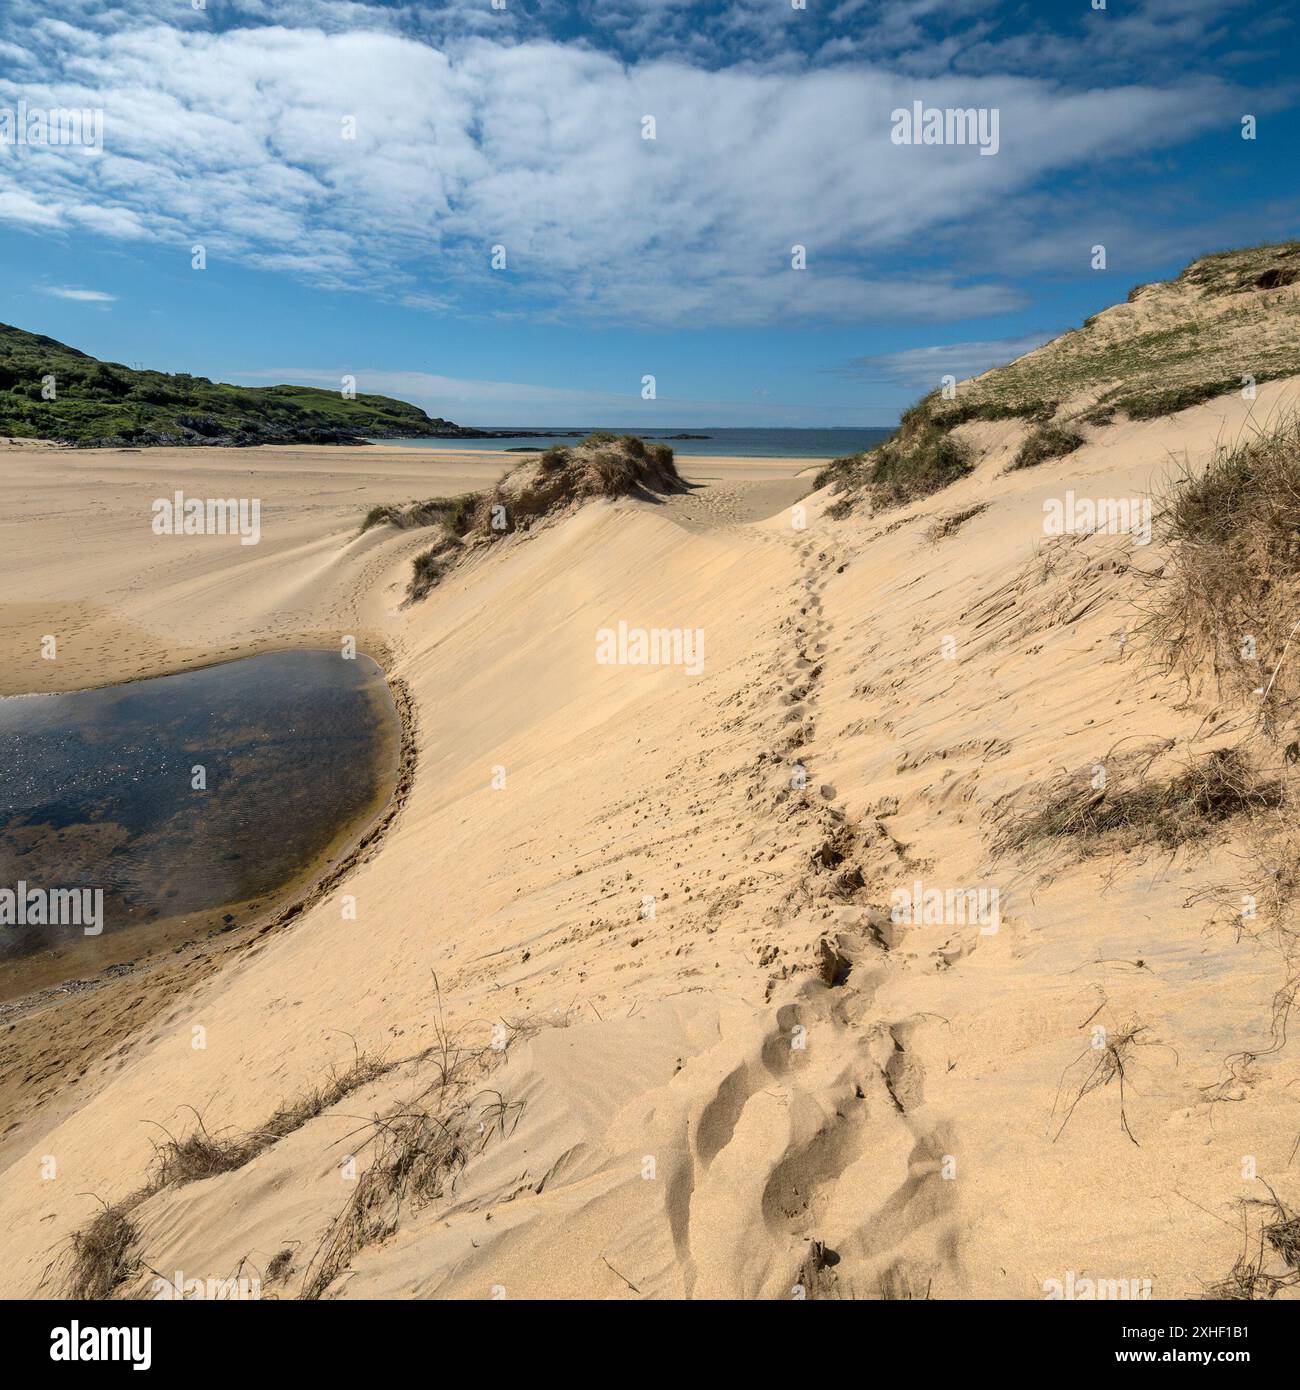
188	793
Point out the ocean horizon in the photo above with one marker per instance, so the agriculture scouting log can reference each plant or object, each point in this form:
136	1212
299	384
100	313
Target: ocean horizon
727	442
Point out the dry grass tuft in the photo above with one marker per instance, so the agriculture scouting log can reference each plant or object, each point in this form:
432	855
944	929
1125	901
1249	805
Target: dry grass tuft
945	526
1228	599
454	514
101	1255
202	1155
1132	809
1109	1061
419	1149
1257	1273
429	566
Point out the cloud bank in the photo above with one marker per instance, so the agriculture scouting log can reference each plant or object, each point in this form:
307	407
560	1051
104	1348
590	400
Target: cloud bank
360	156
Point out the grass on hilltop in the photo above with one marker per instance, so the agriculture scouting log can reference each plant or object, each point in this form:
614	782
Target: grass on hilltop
99	402
1228	318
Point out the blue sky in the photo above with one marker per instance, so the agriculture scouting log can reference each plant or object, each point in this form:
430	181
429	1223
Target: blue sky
522	126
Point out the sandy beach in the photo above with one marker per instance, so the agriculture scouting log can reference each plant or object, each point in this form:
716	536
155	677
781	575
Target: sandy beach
149	606
700	1059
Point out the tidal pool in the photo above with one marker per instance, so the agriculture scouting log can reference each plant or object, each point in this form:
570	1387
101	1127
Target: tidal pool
184	801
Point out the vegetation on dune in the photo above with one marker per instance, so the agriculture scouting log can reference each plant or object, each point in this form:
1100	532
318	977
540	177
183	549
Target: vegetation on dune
602	465
1135	808
1172	345
1046	442
919	459
99	402
104	1254
1228	597
1270	1258
945	526
429	566
1221	606
453	513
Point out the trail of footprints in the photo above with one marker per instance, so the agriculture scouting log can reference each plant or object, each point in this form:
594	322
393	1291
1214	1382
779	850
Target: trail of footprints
828	1095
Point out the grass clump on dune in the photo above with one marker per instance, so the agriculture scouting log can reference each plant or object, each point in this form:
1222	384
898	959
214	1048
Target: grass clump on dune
429	566
103	1255
602	465
920	459
453	513
1270	1258
417	1151
948	415
1046	442
1229	597
1134	809
202	1155
915	464
946	525
454	516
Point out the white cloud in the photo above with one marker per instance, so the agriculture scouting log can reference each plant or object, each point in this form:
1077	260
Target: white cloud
22	208
470	401
84	296
922	369
236	139
465	398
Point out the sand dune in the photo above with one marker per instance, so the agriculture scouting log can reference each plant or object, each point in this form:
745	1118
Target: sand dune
697	1057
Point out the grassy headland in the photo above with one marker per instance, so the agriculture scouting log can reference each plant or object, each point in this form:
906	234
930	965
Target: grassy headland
96	402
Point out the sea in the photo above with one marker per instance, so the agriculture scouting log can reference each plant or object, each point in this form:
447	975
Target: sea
723	442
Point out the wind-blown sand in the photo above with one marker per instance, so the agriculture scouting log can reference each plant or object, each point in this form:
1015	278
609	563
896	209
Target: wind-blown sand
686	1106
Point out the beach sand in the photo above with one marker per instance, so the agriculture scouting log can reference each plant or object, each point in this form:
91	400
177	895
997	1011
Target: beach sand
703	1065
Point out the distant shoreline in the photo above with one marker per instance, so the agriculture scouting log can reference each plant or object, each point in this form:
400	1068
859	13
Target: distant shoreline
730	442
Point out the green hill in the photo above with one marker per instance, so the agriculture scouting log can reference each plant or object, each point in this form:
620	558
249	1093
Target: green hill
107	403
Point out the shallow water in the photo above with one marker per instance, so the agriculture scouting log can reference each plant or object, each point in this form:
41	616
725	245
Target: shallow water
98	791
